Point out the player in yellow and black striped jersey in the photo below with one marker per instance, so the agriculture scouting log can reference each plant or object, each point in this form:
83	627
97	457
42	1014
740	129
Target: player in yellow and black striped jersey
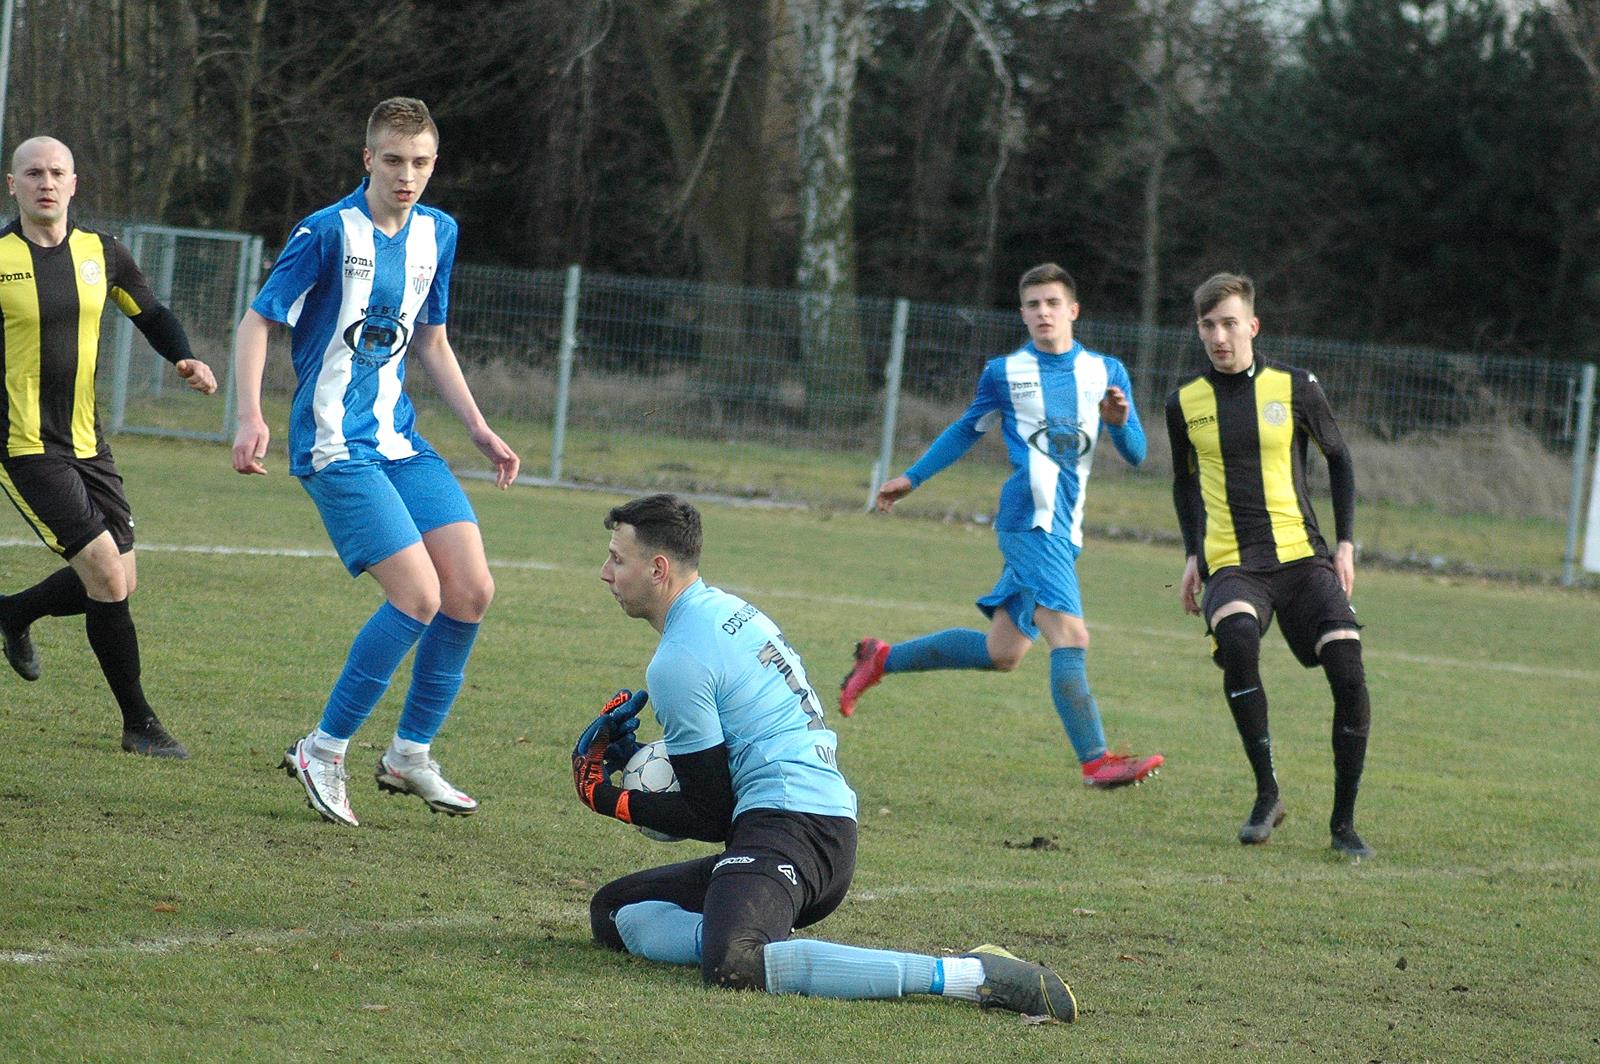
1240	434
55	467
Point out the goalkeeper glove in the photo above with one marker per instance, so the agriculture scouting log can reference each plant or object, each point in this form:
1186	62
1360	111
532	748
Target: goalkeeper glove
592	757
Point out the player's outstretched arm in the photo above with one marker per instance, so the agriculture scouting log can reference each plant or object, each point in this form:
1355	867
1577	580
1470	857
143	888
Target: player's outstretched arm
892	491
432	347
249	362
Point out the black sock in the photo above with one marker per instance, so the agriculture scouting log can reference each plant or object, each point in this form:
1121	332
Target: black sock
116	644
1239	652
1352	716
60	594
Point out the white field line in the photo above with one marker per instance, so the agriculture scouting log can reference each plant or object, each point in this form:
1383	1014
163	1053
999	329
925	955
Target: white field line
1190	637
261	939
256	938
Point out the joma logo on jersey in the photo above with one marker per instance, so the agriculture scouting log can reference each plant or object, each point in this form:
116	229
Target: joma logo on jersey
1201	421
358	267
1023	389
1062	441
8	278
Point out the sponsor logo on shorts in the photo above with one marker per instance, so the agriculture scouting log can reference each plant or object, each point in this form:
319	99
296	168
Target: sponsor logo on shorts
788	873
733	861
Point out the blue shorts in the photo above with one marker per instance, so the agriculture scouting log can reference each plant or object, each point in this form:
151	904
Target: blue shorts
1041	570
375	509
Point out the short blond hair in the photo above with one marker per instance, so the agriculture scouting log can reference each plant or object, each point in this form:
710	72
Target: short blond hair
405	115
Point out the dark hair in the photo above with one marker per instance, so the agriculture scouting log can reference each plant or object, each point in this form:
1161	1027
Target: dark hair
1048	273
662	523
1220	286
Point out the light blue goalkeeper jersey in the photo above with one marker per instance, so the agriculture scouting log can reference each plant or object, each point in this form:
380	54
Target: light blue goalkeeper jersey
724	674
354	296
1048	409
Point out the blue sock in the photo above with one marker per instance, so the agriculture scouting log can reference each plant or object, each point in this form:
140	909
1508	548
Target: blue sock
1069	686
379	647
953	648
436	677
827	969
660	931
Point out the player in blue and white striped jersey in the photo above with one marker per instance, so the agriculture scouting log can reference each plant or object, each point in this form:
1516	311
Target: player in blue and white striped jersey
363	284
1051	398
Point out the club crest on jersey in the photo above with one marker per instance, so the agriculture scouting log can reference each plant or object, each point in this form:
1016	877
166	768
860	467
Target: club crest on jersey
90	271
1275	413
376	338
421	279
1061	442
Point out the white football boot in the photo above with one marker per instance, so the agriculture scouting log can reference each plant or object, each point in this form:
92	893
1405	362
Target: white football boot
324	781
419	775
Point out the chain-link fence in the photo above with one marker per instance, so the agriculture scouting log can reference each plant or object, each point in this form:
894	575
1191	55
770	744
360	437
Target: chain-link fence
642	383
703	370
207	277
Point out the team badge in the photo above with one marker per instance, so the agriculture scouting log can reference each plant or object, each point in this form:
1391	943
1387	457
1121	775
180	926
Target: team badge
1275	413
89	270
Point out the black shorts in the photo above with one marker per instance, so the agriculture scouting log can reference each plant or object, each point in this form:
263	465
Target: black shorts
68	502
811	858
1305	595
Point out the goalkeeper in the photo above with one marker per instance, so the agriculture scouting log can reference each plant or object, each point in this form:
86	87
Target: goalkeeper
757	766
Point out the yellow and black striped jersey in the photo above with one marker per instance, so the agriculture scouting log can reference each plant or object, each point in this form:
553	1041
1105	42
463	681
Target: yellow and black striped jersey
1239	467
51	302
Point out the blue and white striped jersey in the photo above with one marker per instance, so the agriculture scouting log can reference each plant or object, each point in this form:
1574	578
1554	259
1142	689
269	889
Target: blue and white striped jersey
1048	408
354	296
723	673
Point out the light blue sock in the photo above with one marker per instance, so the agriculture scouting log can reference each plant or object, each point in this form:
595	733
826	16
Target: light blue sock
379	647
1069	686
660	931
436	677
827	969
953	648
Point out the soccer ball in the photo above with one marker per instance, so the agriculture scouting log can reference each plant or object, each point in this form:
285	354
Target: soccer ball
650	770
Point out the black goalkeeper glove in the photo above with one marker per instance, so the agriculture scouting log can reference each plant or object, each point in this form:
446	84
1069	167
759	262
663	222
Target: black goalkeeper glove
592	757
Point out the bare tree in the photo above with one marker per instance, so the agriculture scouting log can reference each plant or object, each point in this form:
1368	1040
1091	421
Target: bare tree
830	36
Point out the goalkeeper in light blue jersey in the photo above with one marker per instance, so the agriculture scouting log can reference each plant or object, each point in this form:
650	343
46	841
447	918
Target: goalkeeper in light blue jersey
1051	399
758	772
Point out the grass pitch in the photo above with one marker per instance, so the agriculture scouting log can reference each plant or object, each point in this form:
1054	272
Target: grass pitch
199	911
